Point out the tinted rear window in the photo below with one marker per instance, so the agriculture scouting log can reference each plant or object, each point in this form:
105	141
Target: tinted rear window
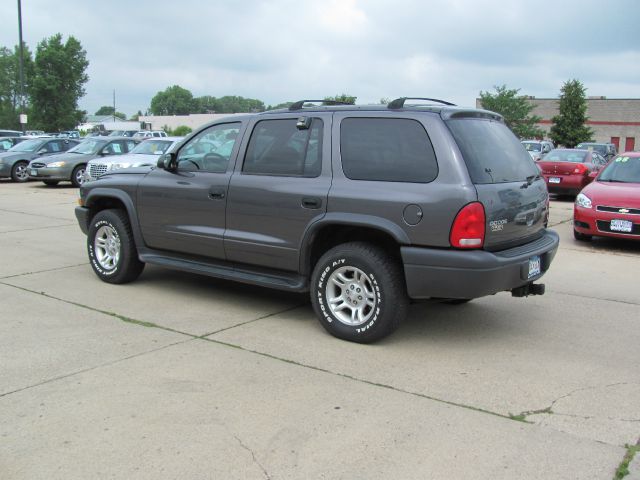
491	151
573	156
386	149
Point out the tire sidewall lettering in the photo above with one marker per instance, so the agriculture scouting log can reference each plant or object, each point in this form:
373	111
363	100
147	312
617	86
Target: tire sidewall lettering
92	256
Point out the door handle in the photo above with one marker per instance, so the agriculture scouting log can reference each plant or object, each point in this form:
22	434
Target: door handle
311	203
217	194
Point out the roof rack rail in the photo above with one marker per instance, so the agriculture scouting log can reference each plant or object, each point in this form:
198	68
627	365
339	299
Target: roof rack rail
298	105
399	102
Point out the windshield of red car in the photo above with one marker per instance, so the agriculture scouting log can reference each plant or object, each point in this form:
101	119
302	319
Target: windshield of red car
622	169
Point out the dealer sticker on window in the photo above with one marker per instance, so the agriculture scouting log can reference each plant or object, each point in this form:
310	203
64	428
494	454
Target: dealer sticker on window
534	266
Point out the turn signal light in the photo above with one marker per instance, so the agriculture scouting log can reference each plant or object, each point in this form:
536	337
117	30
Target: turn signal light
468	228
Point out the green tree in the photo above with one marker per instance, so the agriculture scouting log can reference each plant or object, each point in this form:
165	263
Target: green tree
180	131
58	83
10	85
173	100
569	126
279	106
516	110
344	98
107	110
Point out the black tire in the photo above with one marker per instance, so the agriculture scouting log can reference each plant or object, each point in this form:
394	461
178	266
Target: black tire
76	175
110	234
381	302
50	183
19	172
581	237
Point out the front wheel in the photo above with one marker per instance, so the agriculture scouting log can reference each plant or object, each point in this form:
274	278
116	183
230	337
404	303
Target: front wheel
19	172
77	176
358	292
112	250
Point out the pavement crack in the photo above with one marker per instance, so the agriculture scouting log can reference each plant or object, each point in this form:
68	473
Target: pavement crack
95	367
40	271
623	469
104	312
253	320
33	214
359	380
37	228
253	456
591	297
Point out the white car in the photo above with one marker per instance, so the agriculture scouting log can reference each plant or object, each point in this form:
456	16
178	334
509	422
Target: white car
537	148
144	154
150	134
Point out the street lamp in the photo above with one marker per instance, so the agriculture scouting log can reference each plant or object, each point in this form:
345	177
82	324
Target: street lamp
23	116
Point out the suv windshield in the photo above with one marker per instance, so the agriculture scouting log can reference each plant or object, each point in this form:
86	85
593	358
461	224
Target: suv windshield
491	151
622	169
27	146
152	147
88	147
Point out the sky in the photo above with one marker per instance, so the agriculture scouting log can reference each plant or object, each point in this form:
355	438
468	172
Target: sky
286	50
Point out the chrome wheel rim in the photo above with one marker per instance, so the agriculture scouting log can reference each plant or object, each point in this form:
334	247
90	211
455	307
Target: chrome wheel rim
106	245
80	176
21	172
351	296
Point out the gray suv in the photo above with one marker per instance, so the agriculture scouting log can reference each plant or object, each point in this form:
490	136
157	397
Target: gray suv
367	208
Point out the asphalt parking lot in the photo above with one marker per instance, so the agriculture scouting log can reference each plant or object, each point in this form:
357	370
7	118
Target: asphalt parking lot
180	376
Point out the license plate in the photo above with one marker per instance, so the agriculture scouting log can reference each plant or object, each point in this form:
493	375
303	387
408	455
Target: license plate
534	266
554	180
621	226
34	173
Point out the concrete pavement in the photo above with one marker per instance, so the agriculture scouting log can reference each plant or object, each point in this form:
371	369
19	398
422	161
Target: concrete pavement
180	376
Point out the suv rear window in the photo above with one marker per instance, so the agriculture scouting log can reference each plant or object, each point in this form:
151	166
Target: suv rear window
491	151
387	149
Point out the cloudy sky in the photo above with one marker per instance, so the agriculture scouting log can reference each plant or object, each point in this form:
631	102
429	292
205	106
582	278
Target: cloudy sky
283	50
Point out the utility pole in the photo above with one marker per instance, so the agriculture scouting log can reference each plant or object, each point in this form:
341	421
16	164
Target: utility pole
114	105
23	116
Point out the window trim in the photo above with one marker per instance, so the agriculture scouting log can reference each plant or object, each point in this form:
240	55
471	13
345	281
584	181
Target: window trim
186	142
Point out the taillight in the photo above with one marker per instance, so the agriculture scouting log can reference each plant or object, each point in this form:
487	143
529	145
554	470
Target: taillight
581	169
468	227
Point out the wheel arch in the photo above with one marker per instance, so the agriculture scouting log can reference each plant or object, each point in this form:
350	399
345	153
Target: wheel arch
334	230
99	199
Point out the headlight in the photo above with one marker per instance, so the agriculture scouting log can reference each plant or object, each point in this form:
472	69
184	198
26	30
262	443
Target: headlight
56	164
583	201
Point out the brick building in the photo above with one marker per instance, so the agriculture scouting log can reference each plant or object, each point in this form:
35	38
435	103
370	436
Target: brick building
613	120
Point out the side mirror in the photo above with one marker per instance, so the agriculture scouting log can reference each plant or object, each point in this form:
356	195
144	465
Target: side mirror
168	162
42	151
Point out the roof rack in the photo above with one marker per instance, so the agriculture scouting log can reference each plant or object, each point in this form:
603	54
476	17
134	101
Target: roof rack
399	102
298	105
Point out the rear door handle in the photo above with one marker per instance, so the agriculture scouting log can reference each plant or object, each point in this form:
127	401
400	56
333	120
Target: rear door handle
217	193
311	202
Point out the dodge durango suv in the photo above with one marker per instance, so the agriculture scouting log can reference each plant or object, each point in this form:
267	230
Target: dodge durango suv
367	208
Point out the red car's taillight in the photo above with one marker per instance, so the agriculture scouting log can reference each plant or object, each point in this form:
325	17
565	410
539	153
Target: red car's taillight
468	227
581	169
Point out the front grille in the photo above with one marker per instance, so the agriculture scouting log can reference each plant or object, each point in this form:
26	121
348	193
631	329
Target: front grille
38	165
97	169
604	208
605	226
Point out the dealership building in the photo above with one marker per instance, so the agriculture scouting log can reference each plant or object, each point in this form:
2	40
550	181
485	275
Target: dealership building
613	120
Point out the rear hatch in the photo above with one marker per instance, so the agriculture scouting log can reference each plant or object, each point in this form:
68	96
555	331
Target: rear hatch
509	184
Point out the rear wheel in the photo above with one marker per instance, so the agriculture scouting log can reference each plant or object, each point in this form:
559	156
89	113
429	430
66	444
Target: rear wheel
581	237
112	250
19	172
358	292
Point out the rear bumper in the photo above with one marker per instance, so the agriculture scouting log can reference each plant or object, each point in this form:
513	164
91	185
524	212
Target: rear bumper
569	184
475	273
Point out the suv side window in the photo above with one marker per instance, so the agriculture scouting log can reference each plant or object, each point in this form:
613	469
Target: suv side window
210	150
387	149
278	147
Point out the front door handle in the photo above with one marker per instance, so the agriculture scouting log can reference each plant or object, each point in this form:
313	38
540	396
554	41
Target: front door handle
217	193
311	202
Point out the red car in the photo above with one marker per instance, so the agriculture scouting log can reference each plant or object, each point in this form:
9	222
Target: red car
610	206
567	171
